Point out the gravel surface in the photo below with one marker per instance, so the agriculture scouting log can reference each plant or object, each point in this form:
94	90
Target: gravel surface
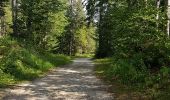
75	81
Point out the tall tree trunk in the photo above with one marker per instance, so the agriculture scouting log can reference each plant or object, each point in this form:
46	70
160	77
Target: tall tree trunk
30	18
14	16
168	14
157	15
1	18
1	26
101	46
70	42
168	27
71	32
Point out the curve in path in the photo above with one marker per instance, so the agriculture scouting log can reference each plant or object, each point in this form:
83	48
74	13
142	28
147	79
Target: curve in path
75	81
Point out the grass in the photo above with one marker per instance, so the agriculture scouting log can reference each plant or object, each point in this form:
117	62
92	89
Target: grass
122	90
22	62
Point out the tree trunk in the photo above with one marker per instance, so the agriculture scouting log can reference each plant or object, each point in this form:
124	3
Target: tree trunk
168	14
1	18
1	26
158	6
168	28
157	15
71	32
14	16
29	19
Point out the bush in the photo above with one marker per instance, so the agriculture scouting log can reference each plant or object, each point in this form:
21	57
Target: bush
127	72
19	62
133	73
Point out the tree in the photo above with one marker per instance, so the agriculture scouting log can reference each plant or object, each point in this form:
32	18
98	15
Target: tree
158	2
74	39
15	16
2	17
168	21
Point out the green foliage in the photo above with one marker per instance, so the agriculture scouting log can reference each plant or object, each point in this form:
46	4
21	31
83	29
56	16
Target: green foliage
77	37
133	32
125	71
126	28
50	24
20	63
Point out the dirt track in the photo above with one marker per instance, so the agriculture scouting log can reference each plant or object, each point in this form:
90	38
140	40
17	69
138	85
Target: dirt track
75	81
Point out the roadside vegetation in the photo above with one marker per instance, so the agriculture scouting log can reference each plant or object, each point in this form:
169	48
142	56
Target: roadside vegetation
24	62
135	34
37	35
128	81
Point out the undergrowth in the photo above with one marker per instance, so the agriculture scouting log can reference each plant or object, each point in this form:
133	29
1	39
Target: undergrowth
20	61
136	77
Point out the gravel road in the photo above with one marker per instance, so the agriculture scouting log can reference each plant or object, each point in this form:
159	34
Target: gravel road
75	81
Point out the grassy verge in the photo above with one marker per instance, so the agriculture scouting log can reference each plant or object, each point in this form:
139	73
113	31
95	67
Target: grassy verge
22	62
132	84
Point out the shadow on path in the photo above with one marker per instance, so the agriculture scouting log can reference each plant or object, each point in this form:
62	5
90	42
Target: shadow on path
75	81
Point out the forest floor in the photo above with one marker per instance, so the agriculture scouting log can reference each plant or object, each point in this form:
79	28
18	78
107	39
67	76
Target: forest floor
76	81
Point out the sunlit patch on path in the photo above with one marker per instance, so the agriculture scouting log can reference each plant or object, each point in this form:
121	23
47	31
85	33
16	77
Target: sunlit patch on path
70	82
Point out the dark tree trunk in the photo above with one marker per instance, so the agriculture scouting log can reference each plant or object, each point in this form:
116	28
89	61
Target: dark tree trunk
14	17
2	19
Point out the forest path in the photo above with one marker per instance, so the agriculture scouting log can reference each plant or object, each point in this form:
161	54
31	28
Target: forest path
75	81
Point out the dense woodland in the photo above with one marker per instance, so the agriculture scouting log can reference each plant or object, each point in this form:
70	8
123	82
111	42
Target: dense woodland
36	34
57	26
134	34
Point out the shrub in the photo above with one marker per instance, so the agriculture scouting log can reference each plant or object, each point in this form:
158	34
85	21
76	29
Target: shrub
133	73
19	62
